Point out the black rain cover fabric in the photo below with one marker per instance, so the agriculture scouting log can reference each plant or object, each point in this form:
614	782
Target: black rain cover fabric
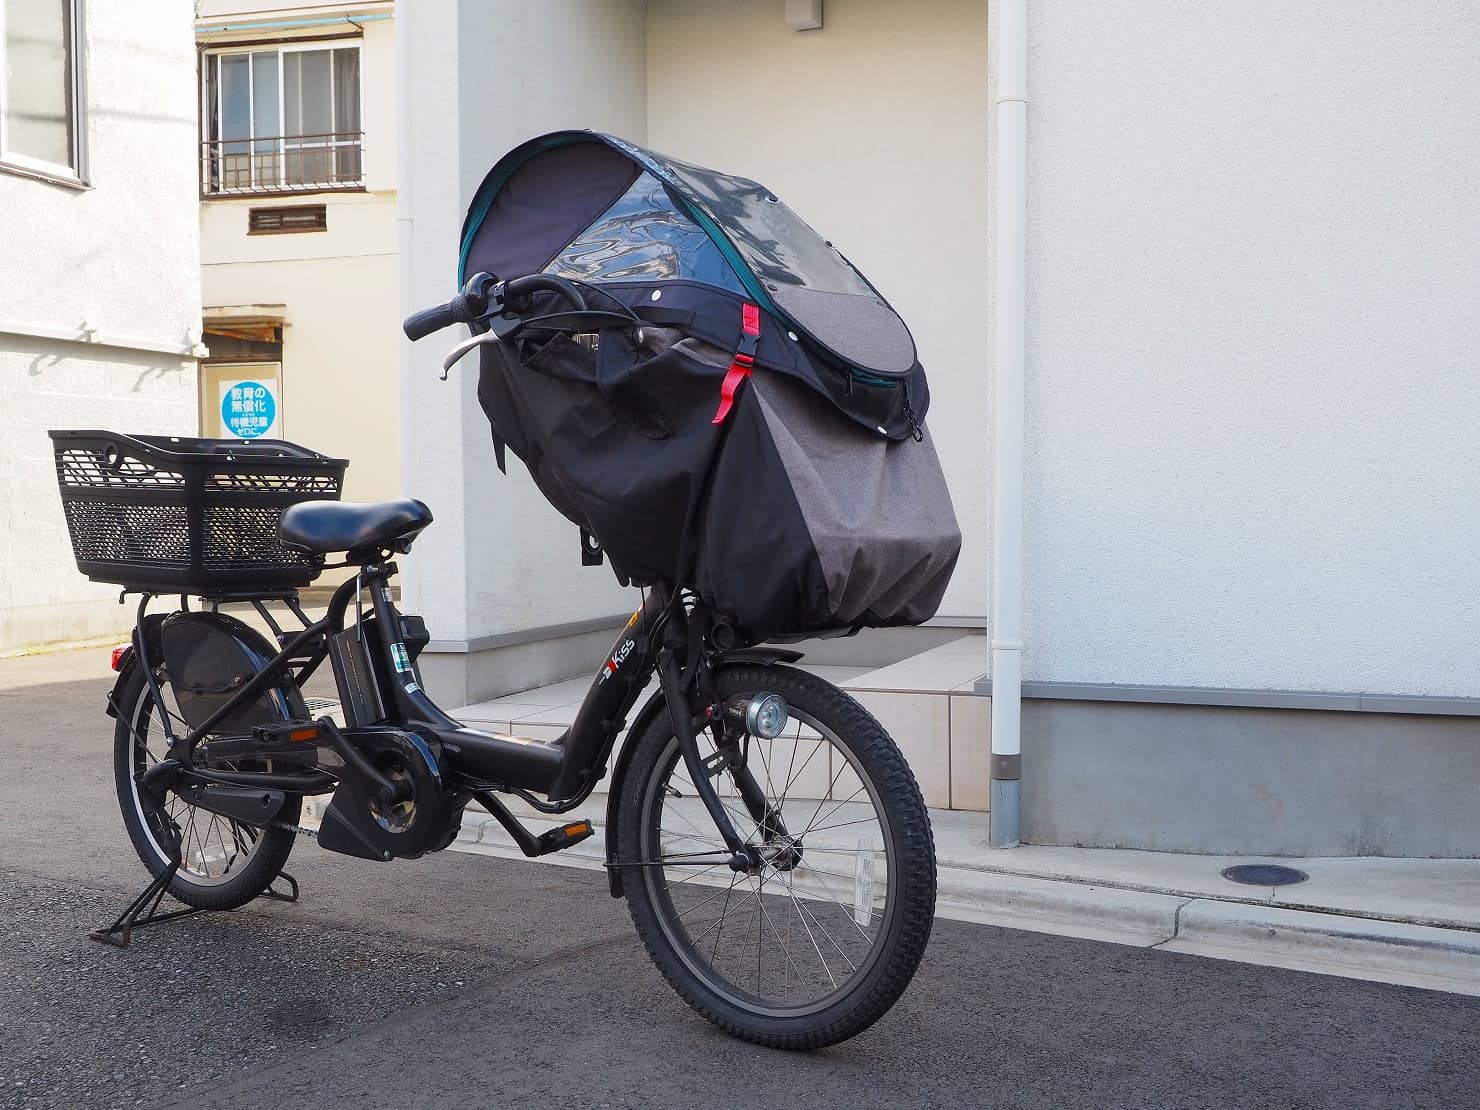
817	503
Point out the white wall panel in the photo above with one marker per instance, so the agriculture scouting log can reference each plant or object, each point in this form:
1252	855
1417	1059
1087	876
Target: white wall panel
1254	265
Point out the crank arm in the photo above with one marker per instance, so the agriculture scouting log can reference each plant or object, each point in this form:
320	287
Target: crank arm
670	678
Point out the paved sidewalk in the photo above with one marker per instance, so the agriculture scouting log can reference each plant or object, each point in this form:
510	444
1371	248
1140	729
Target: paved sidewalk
1409	921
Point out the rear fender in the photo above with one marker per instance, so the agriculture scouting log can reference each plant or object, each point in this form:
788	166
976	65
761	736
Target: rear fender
765	657
280	701
129	661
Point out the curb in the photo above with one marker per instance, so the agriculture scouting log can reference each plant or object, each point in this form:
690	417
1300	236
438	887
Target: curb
1044	905
1375	949
1333	944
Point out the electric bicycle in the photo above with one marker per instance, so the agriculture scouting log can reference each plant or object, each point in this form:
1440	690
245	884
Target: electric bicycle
766	832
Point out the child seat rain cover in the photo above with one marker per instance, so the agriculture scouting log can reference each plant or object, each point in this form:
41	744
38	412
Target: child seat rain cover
741	413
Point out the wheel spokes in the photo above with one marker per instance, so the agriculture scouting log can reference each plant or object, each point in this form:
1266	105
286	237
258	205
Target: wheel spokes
791	954
213	848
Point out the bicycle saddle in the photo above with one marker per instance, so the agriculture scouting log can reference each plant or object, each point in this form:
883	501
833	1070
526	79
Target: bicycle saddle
319	527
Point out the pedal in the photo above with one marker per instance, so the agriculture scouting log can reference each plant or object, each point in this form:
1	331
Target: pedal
565	836
285	733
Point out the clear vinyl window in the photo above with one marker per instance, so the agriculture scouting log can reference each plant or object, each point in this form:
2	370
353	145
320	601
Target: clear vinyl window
777	243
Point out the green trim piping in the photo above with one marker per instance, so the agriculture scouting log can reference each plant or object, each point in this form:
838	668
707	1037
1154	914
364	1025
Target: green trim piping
483	201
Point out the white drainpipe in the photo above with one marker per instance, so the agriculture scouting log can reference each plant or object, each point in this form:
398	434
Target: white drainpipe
1009	319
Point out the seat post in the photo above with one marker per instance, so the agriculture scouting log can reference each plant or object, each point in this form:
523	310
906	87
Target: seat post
405	692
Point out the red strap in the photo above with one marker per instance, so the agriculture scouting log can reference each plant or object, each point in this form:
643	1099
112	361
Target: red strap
738	372
740	366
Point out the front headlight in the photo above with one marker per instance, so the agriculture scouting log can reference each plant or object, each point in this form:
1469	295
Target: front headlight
766	716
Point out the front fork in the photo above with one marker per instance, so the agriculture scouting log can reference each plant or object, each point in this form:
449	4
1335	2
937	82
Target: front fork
744	856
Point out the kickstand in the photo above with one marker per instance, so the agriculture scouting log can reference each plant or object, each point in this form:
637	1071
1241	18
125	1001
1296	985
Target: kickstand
144	910
290	895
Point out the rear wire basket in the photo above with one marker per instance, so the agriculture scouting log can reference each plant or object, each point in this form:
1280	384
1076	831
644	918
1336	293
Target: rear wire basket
172	514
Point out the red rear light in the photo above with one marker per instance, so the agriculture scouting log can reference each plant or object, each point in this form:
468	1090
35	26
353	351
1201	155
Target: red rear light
118	653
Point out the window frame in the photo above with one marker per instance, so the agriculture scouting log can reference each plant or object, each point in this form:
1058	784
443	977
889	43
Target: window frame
210	55
24	165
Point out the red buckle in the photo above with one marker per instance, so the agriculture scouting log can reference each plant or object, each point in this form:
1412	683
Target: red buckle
741	364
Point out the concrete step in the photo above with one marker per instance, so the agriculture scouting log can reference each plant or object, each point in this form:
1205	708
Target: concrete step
927	703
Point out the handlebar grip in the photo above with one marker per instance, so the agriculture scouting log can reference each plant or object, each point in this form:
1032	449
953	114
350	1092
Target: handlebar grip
428	320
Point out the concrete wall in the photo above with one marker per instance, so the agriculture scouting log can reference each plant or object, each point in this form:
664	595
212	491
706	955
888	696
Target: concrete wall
874	129
340	374
1249	781
121	259
482	77
1254	260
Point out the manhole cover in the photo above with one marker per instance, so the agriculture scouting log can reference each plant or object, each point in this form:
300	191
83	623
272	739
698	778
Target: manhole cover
1264	874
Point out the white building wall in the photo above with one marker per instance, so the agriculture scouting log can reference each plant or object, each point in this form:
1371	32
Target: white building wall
1254	265
121	258
338	287
484	76
874	129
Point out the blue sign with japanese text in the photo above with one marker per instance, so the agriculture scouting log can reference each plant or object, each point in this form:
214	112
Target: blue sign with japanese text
248	409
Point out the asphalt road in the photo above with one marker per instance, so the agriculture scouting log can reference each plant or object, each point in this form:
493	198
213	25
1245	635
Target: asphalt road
469	981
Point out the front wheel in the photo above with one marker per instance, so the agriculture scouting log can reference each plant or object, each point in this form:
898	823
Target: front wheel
818	942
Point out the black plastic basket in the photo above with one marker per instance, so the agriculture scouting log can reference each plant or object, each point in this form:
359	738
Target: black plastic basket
172	514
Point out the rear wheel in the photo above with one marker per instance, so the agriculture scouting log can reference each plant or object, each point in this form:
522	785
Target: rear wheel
224	864
818	942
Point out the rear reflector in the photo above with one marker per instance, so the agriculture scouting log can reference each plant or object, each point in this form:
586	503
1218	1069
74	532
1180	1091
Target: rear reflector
118	653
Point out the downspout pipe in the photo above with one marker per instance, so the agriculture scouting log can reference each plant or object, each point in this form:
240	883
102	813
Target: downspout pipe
1010	109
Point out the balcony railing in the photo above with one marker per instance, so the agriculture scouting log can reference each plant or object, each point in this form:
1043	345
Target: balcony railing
282	164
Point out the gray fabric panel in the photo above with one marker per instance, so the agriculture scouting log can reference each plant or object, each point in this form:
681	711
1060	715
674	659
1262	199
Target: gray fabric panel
878	510
863	330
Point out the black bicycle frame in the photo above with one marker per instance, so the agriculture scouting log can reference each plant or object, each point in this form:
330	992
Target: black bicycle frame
661	635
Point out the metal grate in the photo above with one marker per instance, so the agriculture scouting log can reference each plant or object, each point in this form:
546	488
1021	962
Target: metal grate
283	164
278	221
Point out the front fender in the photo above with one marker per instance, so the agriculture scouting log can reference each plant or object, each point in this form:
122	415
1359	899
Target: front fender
650	709
763	656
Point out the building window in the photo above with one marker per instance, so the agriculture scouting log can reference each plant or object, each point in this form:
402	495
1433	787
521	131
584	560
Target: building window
281	120
40	98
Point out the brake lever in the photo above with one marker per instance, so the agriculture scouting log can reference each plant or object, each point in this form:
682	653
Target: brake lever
464	347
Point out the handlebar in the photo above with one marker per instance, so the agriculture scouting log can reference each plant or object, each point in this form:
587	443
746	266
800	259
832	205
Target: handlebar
428	320
483	294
